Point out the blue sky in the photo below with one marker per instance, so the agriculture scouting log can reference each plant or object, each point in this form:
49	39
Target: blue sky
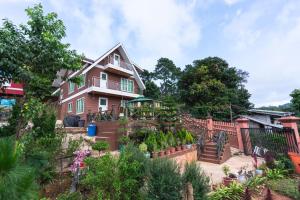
259	36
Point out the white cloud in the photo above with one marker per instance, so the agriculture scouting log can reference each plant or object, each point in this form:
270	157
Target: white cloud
231	2
269	53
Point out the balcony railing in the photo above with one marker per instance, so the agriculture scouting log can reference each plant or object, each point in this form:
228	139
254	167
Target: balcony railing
125	65
109	84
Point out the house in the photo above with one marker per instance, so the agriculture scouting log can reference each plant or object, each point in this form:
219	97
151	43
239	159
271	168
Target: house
259	118
108	83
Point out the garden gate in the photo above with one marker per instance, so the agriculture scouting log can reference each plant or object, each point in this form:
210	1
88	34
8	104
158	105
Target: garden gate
275	140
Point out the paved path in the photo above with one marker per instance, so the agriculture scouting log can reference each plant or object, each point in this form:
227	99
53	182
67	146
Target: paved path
215	172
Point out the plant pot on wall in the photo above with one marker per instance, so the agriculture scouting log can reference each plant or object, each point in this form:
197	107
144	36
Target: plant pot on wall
161	153
154	154
227	180
178	148
172	150
183	147
189	146
167	152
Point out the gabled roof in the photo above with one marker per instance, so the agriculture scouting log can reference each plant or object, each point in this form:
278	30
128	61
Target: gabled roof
271	112
124	54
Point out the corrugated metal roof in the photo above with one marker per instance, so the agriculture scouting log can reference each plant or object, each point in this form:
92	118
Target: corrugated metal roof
262	122
271	112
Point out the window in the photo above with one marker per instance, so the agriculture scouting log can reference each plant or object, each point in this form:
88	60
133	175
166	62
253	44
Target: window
70	107
71	87
127	85
130	86
82	83
80	106
116	60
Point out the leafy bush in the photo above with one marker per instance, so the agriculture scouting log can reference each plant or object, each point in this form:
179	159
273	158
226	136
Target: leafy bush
70	196
233	192
101	177
100	146
287	187
171	139
256	182
162	140
200	182
143	147
151	143
73	145
16	180
283	162
124	140
164	181
274	174
42	144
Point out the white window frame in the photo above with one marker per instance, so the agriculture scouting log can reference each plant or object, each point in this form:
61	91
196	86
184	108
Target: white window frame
70	104
69	90
82	98
84	76
115	54
126	83
100	101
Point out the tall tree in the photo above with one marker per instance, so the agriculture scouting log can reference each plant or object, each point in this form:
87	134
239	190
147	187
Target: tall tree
296	101
167	72
152	90
33	53
211	87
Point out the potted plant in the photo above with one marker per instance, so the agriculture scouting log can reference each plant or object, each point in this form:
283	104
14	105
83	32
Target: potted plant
183	144
143	148
123	141
161	152
152	145
171	142
229	177
100	146
178	145
189	140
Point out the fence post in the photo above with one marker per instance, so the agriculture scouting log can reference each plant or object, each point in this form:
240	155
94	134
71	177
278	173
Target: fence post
291	122
210	126
241	123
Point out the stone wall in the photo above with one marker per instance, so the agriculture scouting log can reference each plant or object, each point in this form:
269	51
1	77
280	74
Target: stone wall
184	157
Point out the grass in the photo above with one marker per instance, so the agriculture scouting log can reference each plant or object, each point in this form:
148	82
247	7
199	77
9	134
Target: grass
286	186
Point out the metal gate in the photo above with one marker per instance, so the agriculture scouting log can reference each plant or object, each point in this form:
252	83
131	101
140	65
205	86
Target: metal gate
275	140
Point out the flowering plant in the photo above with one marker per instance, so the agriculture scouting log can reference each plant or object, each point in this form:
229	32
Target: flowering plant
78	160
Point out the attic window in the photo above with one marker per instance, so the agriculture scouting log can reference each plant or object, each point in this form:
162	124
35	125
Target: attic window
117	60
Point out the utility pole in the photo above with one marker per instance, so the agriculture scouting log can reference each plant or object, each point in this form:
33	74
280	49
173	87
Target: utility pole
230	112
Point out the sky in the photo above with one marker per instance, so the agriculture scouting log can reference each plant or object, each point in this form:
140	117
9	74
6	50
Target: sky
261	37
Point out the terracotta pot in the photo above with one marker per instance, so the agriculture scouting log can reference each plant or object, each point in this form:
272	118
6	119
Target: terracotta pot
172	149
178	148
167	152
227	181
154	154
183	147
161	153
194	146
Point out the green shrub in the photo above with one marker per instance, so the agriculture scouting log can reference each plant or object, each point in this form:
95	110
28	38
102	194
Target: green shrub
235	191
101	177
164	181
124	140
287	187
73	145
16	180
283	162
151	143
274	174
100	146
143	147
255	182
70	196
171	139
200	182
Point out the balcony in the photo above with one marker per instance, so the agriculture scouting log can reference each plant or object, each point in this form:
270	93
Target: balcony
124	69
110	87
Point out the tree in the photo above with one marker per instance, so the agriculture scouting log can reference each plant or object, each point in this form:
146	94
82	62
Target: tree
167	72
16	180
296	100
152	90
33	53
211	87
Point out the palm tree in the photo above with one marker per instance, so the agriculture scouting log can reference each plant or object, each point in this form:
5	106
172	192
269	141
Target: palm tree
16	180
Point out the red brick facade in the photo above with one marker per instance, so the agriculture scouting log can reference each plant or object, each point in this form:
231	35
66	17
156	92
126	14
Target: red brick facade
91	98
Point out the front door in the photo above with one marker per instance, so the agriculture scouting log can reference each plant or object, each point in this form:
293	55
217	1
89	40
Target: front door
103	80
103	104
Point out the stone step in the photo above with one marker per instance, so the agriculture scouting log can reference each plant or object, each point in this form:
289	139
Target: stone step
210	160
210	148
212	156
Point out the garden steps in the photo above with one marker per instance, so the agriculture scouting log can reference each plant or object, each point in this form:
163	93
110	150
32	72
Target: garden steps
210	153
